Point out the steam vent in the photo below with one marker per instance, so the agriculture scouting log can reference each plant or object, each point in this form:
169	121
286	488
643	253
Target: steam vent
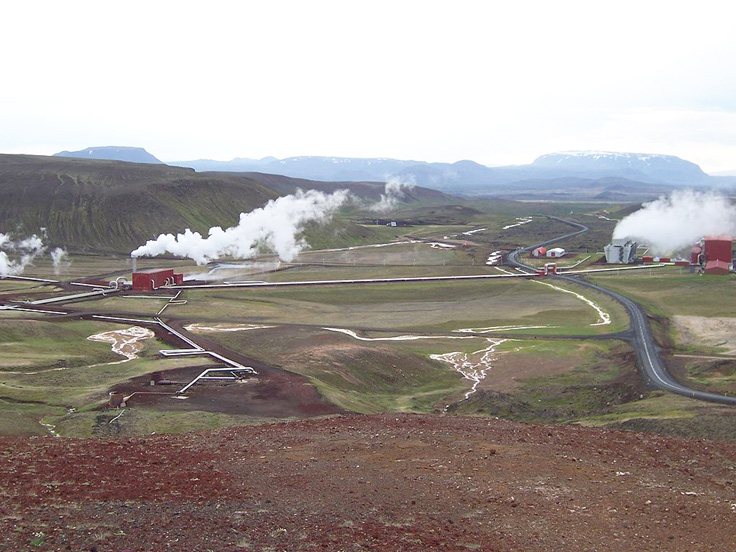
620	251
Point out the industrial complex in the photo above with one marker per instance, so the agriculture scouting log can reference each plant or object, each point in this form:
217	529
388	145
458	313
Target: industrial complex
711	255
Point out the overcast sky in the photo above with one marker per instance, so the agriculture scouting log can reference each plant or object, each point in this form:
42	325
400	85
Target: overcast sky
496	82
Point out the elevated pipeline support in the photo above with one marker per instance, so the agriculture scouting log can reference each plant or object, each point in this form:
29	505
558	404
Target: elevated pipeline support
235	375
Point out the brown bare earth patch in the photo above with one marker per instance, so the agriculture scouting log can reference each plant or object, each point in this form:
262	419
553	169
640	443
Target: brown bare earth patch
702	331
388	482
270	394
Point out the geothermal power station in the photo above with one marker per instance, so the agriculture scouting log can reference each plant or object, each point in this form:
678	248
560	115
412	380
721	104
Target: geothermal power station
711	255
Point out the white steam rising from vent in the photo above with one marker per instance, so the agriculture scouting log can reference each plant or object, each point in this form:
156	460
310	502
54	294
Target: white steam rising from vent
274	227
59	259
670	224
394	192
16	255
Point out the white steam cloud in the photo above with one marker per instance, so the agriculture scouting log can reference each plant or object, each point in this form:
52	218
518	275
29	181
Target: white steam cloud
670	224
274	227
394	192
15	256
59	260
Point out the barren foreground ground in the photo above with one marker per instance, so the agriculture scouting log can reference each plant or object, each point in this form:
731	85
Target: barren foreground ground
388	482
711	331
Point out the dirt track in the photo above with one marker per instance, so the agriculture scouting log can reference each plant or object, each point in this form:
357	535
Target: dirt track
391	482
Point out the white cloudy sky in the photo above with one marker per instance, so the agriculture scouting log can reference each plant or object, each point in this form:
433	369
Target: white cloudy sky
496	82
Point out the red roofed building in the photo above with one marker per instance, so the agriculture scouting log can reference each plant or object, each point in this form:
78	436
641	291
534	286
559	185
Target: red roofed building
539	252
149	280
717	267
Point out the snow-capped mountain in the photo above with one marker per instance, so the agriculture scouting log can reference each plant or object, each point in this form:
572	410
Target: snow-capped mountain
649	167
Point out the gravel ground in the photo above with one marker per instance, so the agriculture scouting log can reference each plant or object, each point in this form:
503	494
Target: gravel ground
384	482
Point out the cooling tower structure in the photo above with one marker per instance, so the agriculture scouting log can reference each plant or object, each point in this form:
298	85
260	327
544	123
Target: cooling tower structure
620	251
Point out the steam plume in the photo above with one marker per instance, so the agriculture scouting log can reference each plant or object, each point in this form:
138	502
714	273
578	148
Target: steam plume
16	255
670	224
274	227
59	259
394	191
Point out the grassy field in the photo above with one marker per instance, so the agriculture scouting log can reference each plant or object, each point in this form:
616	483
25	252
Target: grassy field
669	414
589	383
422	306
365	377
19	286
49	367
399	254
675	290
672	292
103	423
558	381
134	305
37	345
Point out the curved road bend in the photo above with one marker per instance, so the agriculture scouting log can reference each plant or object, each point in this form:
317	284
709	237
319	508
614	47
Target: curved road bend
650	363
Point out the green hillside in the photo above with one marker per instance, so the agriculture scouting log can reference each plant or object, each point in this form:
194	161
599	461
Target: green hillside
115	206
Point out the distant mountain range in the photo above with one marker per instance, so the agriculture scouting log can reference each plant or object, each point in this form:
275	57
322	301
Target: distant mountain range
595	175
607	173
113	153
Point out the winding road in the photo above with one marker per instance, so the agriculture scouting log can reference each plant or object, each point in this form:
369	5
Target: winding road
640	334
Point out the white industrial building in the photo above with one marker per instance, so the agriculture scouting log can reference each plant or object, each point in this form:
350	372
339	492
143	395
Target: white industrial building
620	251
555	253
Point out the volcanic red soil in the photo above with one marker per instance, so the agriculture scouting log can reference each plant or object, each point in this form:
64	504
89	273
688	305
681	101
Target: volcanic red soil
384	482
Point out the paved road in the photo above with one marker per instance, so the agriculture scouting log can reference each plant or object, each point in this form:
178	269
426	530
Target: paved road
649	361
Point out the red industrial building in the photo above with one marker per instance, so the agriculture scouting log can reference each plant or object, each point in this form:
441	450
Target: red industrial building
713	254
148	280
718	249
539	252
717	267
